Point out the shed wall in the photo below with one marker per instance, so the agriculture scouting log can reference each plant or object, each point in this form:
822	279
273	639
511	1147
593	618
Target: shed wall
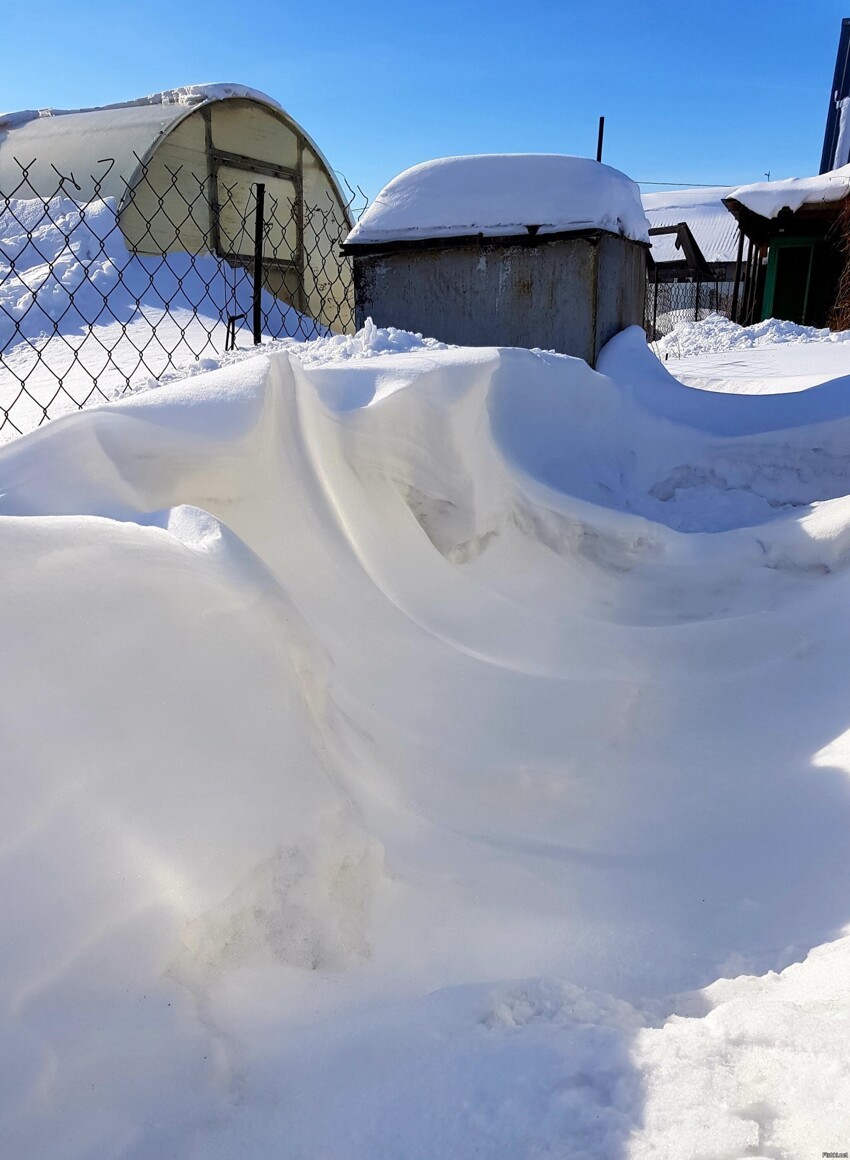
621	289
569	295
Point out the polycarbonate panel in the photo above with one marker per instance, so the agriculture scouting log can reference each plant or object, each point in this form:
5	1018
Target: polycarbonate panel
237	215
251	131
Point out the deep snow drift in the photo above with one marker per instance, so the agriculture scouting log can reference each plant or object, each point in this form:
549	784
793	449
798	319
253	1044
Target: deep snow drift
389	742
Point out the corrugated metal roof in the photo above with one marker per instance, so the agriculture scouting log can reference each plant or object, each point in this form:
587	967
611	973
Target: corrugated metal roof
711	223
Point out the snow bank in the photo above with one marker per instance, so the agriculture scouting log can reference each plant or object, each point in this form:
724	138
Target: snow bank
501	195
369	343
717	333
380	758
769	198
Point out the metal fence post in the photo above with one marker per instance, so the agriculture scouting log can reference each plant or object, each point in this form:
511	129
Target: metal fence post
258	264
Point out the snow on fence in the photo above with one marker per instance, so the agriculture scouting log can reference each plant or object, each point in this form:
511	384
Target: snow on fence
97	298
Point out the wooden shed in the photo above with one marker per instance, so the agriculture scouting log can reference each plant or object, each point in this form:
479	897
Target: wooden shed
181	167
795	250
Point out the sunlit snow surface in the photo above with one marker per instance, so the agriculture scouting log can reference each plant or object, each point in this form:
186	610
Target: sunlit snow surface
411	752
770	357
502	195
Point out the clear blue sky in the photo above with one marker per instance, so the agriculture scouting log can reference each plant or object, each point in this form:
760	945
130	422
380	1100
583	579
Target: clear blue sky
718	91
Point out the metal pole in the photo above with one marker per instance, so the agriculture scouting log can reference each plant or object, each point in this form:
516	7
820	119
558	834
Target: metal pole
599	138
655	308
258	264
738	265
696	301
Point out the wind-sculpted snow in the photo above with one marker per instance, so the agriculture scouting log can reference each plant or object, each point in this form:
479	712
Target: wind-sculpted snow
386	742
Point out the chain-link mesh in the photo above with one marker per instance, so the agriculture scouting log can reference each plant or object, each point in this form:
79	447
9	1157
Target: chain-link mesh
101	296
670	303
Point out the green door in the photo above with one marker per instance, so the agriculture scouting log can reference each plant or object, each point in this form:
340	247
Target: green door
788	282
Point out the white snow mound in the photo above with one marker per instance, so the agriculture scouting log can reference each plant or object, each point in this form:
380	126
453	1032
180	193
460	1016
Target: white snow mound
502	194
716	333
80	316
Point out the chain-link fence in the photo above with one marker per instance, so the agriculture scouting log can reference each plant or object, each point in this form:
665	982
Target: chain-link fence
101	296
670	303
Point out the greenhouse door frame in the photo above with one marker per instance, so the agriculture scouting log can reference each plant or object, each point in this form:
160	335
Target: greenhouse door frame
258	170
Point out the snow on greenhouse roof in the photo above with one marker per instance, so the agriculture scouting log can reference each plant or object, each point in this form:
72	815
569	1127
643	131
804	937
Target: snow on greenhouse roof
711	223
769	198
75	141
49	142
501	195
177	100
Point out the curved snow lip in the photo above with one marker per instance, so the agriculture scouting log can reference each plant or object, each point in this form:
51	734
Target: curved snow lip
628	360
712	462
626	450
769	198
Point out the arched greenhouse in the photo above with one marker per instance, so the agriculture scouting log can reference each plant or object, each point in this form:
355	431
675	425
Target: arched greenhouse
181	168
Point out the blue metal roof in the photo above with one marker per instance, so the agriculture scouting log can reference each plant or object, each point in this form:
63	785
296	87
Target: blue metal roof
840	90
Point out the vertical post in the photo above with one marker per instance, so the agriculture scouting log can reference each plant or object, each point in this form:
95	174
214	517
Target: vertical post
300	252
805	317
599	138
748	291
738	264
258	263
655	307
696	300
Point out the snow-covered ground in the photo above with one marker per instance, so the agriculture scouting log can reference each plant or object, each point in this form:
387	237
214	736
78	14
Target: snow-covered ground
81	318
770	357
425	752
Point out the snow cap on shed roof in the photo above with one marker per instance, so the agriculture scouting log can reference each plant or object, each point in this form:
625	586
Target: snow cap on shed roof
501	195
